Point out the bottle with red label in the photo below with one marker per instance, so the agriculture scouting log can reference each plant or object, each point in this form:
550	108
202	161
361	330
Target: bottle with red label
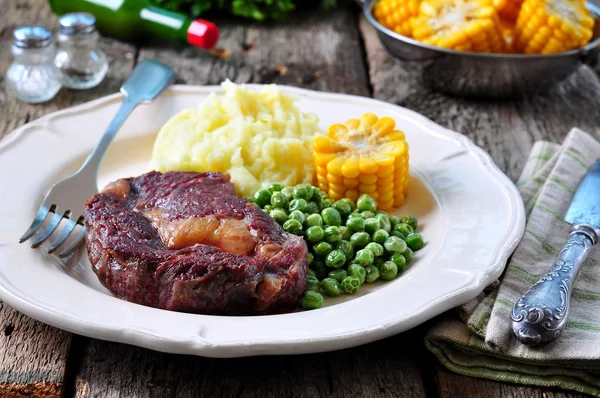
135	20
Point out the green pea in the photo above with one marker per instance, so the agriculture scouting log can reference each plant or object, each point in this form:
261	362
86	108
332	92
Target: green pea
279	200
310	272
388	271
347	248
342	207
322	249
320	269
279	216
303	192
399	260
311	300
414	241
376	248
262	197
358	272
410	220
378	261
298	204
355	224
325	203
394	244
360	240
312	283
338	274
394	220
332	235
367	214
384	222
293	226
311	258
365	202
355	214
372	274
268	208
364	257
276	187
335	259
314	234
331	287
288	192
297	215
350	284
397	234
345	232
380	236
408	254
312	208
314	220
371	225
350	203
316	196
405	229
331	217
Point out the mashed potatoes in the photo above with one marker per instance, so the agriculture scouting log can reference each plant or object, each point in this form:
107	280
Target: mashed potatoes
258	137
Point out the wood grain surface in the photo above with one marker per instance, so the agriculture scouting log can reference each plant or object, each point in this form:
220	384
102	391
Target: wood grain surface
336	52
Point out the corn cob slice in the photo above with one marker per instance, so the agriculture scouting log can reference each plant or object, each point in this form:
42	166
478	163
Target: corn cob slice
508	9
551	26
462	25
364	156
397	15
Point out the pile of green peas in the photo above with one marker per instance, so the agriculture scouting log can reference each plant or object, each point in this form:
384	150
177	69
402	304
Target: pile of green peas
349	243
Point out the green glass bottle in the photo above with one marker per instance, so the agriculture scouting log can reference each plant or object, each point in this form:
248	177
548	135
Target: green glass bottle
134	20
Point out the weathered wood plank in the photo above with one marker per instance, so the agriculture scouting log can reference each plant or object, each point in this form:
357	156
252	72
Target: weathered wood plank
507	130
33	355
450	385
381	369
314	51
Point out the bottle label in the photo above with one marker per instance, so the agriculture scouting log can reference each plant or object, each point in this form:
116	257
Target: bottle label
112	4
161	19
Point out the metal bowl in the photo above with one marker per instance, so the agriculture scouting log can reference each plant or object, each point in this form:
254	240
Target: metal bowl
471	74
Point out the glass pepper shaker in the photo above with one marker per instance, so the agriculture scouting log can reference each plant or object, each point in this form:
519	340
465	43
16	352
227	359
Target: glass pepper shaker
32	77
80	62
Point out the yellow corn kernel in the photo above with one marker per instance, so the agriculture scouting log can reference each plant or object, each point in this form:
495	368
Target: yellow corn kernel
397	15
369	156
462	25
552	26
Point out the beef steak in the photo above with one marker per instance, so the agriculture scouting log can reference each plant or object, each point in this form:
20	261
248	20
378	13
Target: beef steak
186	242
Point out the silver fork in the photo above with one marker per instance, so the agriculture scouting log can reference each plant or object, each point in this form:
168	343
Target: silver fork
66	199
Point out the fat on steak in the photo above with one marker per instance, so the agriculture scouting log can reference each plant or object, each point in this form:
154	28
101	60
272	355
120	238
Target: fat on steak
186	242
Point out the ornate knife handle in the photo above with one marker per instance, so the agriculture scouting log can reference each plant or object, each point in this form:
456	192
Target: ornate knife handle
540	315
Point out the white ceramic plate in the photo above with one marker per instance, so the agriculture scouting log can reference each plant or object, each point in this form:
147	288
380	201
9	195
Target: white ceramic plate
472	218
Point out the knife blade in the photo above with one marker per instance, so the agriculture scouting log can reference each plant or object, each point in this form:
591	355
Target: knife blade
540	315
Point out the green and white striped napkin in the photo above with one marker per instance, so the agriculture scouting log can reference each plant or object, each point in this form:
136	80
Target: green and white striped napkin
478	341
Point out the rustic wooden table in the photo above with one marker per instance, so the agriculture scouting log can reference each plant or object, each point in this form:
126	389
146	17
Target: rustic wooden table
335	51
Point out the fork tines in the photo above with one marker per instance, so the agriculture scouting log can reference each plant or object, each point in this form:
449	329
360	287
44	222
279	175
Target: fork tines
51	226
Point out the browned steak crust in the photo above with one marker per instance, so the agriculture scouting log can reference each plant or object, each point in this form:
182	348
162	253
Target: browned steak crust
186	242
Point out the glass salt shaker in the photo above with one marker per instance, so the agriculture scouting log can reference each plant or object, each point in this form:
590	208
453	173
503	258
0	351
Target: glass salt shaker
80	62
32	77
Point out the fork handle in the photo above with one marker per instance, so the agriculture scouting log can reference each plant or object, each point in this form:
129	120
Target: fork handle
95	158
540	315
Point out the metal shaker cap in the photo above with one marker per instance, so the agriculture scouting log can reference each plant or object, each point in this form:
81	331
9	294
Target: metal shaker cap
77	23
32	37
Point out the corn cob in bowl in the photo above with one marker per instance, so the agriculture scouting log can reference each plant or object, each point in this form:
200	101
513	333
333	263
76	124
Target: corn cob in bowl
468	62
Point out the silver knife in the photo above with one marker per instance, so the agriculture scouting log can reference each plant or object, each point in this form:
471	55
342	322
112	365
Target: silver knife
540	315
